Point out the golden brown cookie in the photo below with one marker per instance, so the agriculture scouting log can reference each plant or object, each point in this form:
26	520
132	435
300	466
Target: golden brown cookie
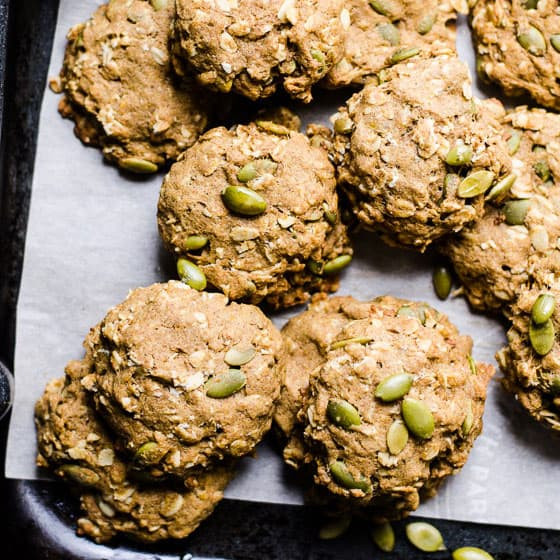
416	153
394	409
262	200
518	46
253	47
120	91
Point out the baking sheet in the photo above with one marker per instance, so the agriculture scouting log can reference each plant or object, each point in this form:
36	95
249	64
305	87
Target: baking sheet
92	237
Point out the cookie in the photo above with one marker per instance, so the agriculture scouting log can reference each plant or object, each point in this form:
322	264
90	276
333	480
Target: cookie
518	47
262	201
185	378
394	409
307	338
416	153
380	29
530	361
76	445
521	221
254	48
120	90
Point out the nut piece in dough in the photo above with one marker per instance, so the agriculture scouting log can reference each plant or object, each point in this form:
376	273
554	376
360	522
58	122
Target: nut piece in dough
492	256
254	47
184	378
533	378
518	46
78	447
385	444
416	153
379	29
286	245
307	338
119	88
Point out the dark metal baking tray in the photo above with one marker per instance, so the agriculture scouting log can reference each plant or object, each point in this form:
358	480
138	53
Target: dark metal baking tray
37	518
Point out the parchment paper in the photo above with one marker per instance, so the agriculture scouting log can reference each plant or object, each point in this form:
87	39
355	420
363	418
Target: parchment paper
92	237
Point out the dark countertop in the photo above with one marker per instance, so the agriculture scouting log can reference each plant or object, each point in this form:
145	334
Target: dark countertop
39	517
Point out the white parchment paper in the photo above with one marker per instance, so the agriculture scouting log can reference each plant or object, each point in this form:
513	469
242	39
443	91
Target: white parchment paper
92	237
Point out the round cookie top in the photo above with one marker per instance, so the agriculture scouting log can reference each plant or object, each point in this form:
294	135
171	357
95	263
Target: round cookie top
307	338
263	200
120	90
77	446
382	31
417	152
394	409
518	46
253	47
184	378
530	361
522	222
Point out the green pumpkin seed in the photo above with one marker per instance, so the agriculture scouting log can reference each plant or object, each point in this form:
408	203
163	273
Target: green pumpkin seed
418	418
195	242
273	128
502	187
542	170
513	143
138	165
425	24
381	76
543	308
474	184
336	265
471	553
315	267
330	215
247	173
390	33
542	337
460	154
191	275
394	387
472	364
225	384
335	528
243	200
538	148
384	537
515	211
239	355
319	56
442	281
555	41
532	40
81	475
551	382
530	4
342	477
158	4
343	414
148	454
424	536
415	312
343	125
397	437
404	54
468	422
387	8
345	342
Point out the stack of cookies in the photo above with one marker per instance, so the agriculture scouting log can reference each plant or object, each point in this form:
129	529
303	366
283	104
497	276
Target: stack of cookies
375	402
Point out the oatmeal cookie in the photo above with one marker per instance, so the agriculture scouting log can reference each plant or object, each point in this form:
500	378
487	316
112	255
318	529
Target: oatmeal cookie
120	91
522	218
253	48
381	29
77	446
518	46
416	153
184	378
394	409
262	200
